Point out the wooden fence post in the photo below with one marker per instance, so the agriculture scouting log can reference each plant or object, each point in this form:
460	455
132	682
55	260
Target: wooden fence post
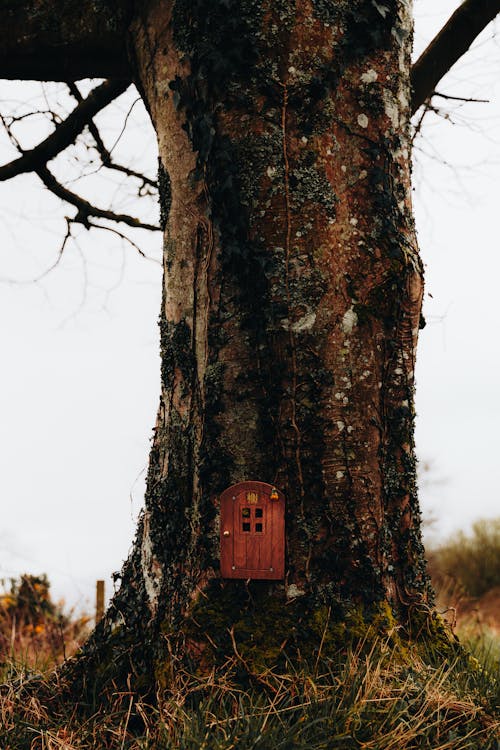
99	601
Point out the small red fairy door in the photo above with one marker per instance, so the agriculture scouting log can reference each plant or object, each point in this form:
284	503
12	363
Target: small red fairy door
252	531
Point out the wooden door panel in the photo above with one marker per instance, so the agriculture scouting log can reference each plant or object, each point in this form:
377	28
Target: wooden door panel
240	538
226	535
252	532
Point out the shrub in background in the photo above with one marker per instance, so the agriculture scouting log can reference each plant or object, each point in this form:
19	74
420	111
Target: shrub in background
472	560
34	630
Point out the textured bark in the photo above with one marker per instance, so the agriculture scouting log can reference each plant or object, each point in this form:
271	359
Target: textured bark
292	297
291	308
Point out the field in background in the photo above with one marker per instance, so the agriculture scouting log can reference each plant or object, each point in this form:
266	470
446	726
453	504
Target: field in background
465	572
36	633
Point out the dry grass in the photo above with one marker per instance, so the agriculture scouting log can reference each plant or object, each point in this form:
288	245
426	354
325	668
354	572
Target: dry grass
465	572
377	698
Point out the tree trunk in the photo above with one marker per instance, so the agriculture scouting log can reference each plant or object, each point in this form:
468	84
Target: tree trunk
292	298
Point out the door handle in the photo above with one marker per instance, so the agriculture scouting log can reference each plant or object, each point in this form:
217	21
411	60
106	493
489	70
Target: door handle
226	533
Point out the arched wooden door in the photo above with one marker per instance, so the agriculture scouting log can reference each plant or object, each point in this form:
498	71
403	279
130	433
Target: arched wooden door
252	531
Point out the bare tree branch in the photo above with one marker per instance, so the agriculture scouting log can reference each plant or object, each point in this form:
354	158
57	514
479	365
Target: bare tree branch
449	45
104	153
53	265
86	209
125	238
418	127
463	99
66	132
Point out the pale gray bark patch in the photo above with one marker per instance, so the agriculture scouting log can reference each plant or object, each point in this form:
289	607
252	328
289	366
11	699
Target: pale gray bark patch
151	567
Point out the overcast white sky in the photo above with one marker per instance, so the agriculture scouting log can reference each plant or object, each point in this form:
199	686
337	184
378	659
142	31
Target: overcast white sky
80	371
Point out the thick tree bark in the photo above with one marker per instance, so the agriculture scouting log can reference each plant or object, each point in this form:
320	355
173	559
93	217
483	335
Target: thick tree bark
292	297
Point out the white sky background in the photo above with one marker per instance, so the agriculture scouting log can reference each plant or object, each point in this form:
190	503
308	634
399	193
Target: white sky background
79	379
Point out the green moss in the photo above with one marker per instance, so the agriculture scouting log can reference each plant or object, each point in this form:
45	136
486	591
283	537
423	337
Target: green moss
255	624
431	636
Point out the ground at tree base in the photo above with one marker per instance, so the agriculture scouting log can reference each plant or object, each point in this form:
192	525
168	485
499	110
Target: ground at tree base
382	690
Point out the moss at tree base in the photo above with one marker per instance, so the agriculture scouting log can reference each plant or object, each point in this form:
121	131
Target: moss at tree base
256	627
